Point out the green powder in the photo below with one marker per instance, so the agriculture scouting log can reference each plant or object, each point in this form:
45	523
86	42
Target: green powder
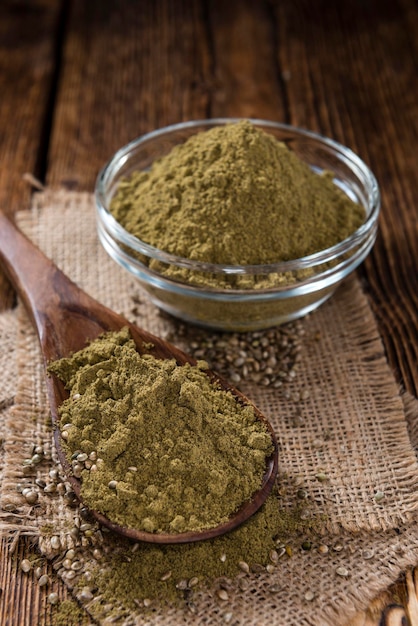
156	572
68	613
159	573
234	195
172	452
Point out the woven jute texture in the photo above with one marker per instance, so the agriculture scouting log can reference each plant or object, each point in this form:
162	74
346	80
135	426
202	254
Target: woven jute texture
351	451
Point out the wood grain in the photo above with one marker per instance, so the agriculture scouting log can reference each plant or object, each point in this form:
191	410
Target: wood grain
245	73
23	602
125	71
364	94
28	32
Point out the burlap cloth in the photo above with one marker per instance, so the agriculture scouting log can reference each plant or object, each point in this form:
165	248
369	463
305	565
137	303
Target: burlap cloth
357	431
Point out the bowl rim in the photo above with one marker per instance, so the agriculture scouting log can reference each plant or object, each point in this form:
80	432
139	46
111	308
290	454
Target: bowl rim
345	154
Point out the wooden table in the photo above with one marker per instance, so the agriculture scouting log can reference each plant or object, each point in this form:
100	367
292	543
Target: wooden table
80	78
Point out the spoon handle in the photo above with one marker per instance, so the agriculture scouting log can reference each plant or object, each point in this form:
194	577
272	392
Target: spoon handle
29	270
63	315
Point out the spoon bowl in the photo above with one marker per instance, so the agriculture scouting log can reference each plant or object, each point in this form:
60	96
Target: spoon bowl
66	320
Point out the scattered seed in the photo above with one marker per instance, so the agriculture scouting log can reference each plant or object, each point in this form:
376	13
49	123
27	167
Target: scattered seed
112	484
222	595
274	556
53	598
61	489
281	551
379	496
86	594
54	474
31	497
166	576
323	549
321	477
70	498
26	566
262	357
193	581
309	596
342	571
244	567
9	507
257	568
55	542
77	470
147	602
43	580
368	554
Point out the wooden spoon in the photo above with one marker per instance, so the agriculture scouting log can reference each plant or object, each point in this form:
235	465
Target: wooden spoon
66	319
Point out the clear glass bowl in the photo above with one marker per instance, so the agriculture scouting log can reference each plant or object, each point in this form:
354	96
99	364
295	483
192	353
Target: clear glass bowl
301	285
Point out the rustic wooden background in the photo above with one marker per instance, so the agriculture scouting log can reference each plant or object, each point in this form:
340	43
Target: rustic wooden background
79	78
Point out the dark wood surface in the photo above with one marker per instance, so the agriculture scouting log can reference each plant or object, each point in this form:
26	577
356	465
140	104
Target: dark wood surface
79	79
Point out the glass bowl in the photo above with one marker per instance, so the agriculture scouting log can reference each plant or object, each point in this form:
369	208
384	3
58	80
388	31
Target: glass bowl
299	286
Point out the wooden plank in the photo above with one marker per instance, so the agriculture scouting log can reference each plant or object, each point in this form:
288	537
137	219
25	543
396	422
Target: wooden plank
27	64
351	74
127	69
245	74
23	601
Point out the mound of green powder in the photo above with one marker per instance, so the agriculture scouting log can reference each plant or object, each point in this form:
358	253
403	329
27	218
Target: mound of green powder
235	195
172	452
